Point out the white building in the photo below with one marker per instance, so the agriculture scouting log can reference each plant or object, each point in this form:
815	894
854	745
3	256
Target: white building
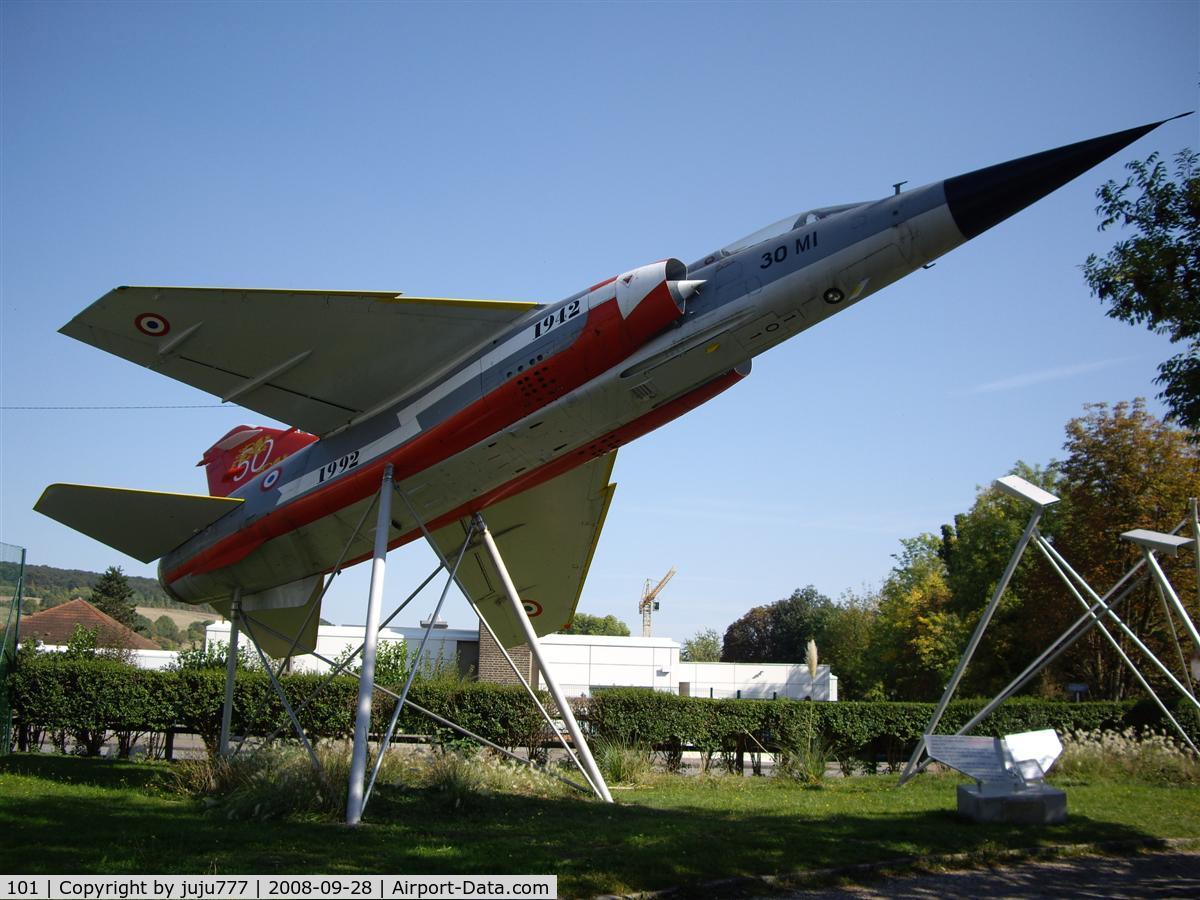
447	646
584	663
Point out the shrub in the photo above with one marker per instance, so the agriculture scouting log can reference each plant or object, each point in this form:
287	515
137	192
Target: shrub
853	733
463	777
270	783
803	752
622	762
92	696
1150	756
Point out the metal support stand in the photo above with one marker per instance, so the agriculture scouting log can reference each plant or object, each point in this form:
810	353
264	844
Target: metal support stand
366	679
359	792
535	648
571	755
1057	648
412	672
1164	586
1059	565
336	668
429	714
973	644
235	609
1194	509
282	695
1093	616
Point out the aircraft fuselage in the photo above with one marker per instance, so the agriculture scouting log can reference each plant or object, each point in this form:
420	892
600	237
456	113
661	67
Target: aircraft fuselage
577	379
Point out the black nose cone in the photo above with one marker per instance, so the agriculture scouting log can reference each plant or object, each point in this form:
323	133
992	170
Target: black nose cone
980	199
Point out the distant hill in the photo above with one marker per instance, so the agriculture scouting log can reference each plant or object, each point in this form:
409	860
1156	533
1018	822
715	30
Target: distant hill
53	586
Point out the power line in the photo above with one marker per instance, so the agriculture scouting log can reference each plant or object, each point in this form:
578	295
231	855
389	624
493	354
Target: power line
186	406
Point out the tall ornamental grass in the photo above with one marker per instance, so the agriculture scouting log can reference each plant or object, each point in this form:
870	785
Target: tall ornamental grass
1113	755
279	780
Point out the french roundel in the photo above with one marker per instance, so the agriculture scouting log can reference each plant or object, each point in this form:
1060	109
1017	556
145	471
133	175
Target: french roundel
152	324
533	609
269	480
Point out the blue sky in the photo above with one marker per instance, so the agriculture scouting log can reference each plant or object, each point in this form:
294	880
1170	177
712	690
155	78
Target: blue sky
526	151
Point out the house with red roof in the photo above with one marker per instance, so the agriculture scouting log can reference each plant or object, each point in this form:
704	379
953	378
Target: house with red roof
55	626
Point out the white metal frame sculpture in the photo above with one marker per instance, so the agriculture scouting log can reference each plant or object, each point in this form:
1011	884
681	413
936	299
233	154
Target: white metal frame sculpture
360	787
1097	609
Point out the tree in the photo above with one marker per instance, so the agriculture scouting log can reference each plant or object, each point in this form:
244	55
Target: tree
848	646
1124	469
113	596
196	631
704	646
919	637
1153	277
585	624
166	632
779	631
975	550
748	639
82	643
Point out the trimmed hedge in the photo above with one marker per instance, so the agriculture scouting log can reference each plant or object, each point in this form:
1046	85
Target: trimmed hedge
89	697
869	731
86	697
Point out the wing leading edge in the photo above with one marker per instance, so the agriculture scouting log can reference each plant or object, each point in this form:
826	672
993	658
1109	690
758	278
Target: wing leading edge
547	536
313	359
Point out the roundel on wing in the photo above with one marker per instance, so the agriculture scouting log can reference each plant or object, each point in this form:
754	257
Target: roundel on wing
269	479
533	609
152	324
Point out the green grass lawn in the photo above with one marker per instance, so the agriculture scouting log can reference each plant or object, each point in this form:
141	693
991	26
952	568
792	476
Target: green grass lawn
71	815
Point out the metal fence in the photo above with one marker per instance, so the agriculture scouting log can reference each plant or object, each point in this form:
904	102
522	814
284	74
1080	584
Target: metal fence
12	582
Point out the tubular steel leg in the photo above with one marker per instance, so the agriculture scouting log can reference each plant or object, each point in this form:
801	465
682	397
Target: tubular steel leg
1169	618
235	610
535	648
282	694
412	672
333	573
1054	559
1059	564
1194	509
1160	578
1081	626
446	722
336	668
1065	641
910	769
366	678
571	755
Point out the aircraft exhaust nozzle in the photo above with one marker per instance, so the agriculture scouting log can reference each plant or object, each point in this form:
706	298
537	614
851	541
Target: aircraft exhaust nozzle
983	198
686	289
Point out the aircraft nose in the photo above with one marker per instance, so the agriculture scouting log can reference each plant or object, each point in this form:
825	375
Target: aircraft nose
983	198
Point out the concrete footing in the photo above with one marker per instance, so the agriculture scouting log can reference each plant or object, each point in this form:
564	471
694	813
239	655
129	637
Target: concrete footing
1040	805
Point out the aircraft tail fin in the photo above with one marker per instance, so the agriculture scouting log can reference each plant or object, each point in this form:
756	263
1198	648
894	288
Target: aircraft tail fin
246	452
143	524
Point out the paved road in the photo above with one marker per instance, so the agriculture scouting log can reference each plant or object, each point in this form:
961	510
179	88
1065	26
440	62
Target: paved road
1167	874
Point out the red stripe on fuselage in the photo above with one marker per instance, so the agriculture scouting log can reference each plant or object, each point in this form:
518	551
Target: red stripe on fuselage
602	445
603	343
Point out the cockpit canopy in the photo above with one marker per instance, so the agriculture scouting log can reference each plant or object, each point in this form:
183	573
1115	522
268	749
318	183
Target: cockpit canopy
775	229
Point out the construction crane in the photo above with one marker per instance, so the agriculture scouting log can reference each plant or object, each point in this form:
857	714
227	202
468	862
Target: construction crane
648	604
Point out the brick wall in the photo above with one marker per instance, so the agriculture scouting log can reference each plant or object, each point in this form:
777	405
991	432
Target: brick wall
494	668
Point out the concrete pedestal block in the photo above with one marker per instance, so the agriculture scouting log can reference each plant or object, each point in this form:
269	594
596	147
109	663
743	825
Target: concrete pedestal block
1040	805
